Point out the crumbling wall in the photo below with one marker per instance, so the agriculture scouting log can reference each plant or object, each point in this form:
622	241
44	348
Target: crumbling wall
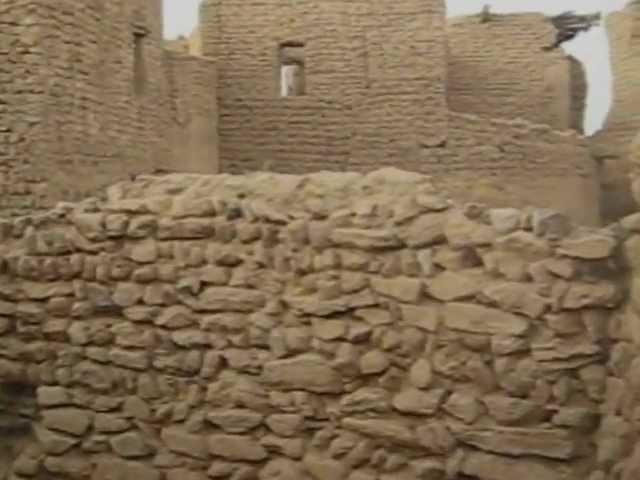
498	67
623	121
324	326
192	137
611	144
374	78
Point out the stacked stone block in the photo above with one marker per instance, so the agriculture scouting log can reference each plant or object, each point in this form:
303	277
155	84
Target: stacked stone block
327	326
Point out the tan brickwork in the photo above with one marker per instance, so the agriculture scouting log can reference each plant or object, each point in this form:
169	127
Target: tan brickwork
374	81
82	111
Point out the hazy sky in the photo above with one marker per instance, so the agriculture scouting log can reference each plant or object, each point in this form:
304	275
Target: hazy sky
591	47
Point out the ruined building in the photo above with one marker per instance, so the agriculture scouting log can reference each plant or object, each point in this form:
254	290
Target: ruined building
484	104
291	324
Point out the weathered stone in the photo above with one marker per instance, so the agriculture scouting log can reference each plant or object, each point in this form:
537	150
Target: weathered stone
114	469
235	420
227	299
582	295
417	402
54	443
306	372
451	286
424	231
366	400
462	232
382	429
423	317
508	344
511	411
589	247
375	316
374	362
494	467
365	239
505	220
403	289
182	442
463	406
312	305
174	317
517	442
330	330
282	469
186	229
68	420
73	466
53	397
435	437
323	468
236	448
477	319
110	423
134	360
285	425
130	445
421	374
517	298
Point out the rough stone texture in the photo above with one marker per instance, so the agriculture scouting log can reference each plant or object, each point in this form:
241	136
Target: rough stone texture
271	330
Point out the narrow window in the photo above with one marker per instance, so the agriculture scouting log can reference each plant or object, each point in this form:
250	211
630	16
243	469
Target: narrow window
292	70
139	64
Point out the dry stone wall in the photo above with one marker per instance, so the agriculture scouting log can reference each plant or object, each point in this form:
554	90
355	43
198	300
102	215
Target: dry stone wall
326	326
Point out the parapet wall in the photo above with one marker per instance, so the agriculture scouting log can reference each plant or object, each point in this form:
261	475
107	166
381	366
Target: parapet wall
326	326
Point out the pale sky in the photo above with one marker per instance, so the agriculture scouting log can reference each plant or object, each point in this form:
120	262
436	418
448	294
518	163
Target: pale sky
591	47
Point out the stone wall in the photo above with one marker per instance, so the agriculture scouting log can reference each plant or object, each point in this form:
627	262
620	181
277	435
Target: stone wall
328	326
499	68
374	75
86	99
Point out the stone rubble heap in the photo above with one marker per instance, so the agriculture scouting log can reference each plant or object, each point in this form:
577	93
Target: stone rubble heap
317	327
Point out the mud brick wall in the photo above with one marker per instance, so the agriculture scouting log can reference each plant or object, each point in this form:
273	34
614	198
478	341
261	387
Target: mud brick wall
326	326
83	107
511	163
20	187
375	78
499	69
192	138
623	121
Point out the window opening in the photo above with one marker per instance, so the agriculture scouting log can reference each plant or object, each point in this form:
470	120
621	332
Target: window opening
139	62
292	69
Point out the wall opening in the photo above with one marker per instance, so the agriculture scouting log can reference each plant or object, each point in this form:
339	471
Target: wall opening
292	69
18	409
139	64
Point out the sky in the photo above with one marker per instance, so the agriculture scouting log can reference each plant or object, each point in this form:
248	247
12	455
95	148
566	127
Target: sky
180	18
